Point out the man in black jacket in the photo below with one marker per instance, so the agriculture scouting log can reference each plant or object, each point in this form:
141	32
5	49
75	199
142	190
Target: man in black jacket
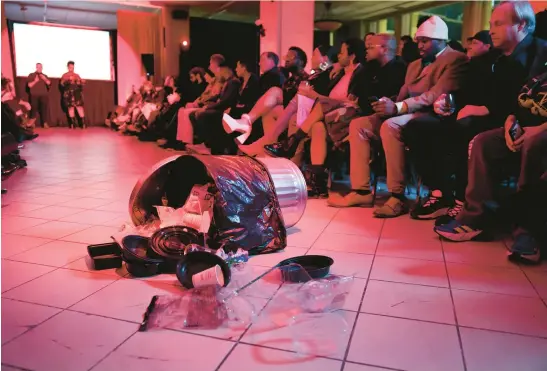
489	98
383	77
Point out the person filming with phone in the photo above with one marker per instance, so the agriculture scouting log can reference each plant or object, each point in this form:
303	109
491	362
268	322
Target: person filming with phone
38	87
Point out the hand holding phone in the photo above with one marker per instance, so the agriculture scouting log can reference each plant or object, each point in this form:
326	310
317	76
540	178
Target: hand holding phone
515	131
373	99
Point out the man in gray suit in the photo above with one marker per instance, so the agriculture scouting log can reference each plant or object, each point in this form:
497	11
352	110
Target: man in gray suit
439	71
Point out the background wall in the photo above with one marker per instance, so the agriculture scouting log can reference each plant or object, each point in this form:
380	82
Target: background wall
138	33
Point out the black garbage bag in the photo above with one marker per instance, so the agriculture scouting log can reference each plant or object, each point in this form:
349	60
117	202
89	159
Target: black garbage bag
246	209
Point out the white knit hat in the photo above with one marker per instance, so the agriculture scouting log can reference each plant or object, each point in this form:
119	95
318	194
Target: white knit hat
434	28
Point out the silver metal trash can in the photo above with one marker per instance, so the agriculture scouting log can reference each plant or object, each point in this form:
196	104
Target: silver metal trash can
290	187
289	184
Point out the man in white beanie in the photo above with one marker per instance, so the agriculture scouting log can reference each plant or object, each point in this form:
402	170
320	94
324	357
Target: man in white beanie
439	71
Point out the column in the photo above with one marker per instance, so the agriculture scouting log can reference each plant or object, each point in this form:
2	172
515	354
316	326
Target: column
287	23
476	16
175	36
7	61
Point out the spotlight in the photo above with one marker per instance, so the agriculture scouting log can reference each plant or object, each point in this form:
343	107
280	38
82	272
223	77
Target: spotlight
185	43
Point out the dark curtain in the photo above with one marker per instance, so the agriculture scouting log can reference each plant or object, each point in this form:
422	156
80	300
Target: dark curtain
236	41
98	100
114	59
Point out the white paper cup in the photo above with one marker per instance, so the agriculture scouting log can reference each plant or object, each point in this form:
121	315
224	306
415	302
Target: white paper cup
209	277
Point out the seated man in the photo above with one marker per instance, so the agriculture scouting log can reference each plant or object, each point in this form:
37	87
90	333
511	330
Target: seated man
524	140
325	114
488	98
383	77
319	81
272	103
17	111
206	121
438	71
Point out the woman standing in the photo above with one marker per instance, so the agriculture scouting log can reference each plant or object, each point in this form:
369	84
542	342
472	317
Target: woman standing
73	96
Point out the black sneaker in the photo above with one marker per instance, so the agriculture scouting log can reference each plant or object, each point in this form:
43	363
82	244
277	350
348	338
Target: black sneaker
432	208
450	215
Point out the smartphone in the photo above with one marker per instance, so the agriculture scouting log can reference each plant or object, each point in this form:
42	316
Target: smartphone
515	131
373	99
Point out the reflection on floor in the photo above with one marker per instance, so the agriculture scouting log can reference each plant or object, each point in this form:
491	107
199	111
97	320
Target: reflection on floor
417	303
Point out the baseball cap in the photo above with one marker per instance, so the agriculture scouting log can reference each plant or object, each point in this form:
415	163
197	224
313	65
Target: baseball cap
483	36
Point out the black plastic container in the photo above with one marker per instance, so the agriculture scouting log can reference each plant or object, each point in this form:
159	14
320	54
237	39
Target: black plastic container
313	266
105	256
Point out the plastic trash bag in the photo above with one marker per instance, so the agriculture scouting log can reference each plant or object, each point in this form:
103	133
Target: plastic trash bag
246	211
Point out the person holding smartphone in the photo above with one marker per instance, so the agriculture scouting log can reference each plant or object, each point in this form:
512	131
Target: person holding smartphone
522	142
38	85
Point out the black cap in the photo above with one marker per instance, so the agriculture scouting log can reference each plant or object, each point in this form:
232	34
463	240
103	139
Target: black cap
483	36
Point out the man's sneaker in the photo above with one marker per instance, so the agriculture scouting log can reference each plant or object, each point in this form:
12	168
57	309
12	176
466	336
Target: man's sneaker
457	232
451	214
432	208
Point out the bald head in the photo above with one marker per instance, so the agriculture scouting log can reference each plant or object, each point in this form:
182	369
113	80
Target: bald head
381	47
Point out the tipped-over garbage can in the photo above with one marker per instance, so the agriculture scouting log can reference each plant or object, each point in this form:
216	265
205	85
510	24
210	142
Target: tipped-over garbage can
256	200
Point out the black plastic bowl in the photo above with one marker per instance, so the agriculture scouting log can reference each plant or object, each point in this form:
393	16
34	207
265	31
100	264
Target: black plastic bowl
314	266
198	261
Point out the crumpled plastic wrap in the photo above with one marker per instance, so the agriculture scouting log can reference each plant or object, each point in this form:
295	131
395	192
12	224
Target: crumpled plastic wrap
202	308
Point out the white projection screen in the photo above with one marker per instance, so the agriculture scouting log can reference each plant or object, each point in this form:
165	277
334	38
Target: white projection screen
55	46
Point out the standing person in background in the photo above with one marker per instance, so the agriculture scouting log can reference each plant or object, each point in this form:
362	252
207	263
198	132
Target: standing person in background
38	88
73	96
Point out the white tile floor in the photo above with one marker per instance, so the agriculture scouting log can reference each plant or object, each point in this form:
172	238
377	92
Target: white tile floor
417	303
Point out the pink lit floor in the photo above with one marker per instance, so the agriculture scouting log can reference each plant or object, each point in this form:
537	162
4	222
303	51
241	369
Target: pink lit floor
417	303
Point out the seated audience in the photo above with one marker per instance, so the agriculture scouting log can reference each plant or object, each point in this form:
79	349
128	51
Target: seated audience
408	49
329	118
493	80
319	81
522	141
439	71
480	44
271	104
206	122
16	113
384	76
249	90
198	84
174	136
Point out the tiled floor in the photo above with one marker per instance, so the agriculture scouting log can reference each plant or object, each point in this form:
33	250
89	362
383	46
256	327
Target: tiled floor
417	303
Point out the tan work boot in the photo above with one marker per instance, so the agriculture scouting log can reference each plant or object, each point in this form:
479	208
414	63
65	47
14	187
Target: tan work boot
352	199
392	208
